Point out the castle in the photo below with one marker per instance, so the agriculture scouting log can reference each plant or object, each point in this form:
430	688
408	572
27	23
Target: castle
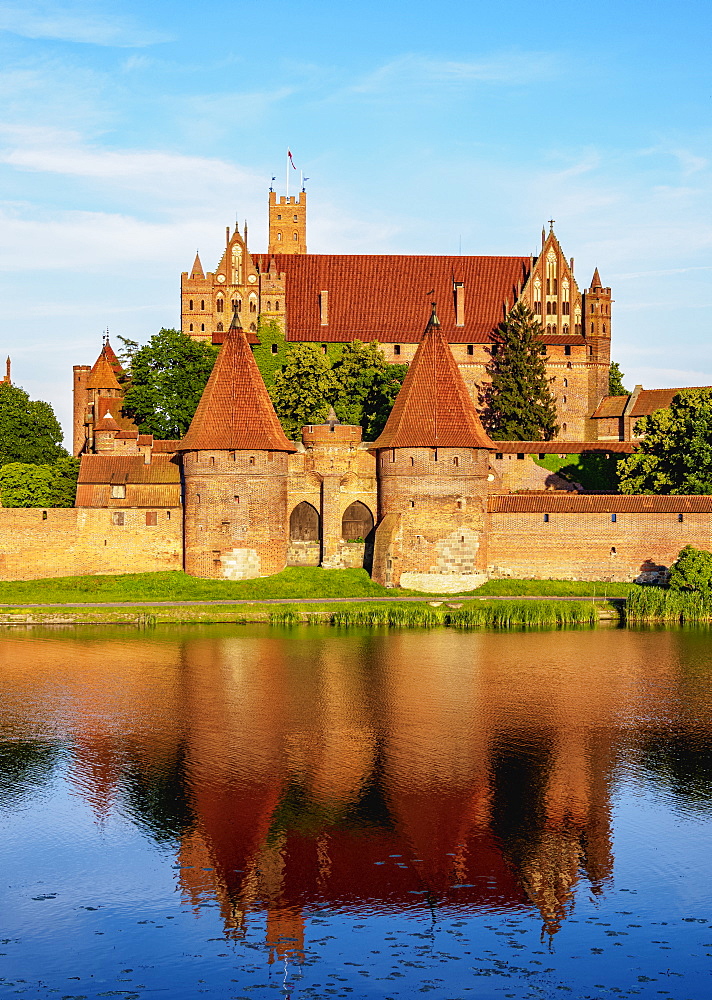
432	505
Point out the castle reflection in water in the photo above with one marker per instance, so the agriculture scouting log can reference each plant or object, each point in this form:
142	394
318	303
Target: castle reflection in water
306	768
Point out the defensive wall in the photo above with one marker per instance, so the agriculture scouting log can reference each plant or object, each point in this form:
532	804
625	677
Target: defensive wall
37	543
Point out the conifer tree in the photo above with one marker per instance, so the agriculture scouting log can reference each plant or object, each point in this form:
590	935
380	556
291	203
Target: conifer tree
615	380
519	405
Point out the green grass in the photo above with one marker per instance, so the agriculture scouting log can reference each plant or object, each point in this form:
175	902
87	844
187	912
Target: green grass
592	469
656	604
291	584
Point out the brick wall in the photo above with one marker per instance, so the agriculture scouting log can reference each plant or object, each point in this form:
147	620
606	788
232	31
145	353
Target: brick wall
591	546
236	524
78	541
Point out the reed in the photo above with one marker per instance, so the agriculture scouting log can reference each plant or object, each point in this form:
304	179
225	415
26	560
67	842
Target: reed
656	604
499	614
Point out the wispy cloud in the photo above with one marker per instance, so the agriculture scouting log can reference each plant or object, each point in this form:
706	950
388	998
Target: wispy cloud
513	68
74	22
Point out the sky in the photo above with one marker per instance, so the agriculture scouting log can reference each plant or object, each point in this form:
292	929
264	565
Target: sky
131	134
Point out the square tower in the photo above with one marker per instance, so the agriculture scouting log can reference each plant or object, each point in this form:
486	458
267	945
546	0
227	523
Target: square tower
287	223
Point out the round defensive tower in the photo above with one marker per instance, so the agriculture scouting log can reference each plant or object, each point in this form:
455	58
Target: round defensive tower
235	464
432	469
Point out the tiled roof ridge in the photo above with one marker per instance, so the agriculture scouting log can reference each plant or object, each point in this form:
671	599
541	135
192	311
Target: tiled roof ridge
521	503
235	411
433	408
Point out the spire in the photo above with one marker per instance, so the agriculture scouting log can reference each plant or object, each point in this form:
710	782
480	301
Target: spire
433	408
596	280
102	375
331	418
197	271
235	411
7	371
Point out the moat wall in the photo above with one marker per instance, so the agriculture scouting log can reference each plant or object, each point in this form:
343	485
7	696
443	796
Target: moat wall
36	543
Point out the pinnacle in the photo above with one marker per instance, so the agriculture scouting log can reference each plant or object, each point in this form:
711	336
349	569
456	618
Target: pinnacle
596	280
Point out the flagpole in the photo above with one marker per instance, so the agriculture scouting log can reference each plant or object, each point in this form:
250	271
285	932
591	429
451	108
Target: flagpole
286	175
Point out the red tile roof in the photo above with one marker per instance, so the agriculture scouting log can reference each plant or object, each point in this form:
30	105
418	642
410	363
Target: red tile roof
378	297
648	401
562	447
102	375
114	406
106	421
235	411
127	469
169	446
433	408
583	503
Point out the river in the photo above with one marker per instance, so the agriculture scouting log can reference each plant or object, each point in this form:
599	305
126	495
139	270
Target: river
249	812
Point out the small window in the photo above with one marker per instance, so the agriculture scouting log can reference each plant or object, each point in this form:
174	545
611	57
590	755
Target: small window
563	428
411	503
614	518
279	237
546	518
44	515
118	492
499	454
323	348
613	550
564	400
393	454
567	350
220	305
295	237
295	218
168	515
151	518
456	461
191	328
593	328
520	456
190	304
236	499
276	306
279	218
202	327
197	497
396	348
117	517
566	382
269	307
470	349
275	349
412	460
202	305
253	306
212	459
220	328
252	460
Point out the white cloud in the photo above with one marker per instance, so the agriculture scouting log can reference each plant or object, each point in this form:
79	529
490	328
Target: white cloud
512	68
74	22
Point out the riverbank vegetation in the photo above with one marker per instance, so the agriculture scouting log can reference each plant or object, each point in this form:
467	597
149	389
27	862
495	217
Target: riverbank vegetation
293	583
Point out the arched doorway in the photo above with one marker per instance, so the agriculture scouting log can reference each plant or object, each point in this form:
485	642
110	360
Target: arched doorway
357	522
304	536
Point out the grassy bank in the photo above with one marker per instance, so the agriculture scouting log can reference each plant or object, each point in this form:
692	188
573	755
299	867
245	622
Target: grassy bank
428	614
648	605
292	583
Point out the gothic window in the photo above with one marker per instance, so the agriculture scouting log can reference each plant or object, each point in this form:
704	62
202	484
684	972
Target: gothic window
553	308
566	328
190	304
604	327
253	306
202	305
269	307
566	382
276	306
279	237
220	305
220	328
548	308
202	327
191	328
537	308
296	236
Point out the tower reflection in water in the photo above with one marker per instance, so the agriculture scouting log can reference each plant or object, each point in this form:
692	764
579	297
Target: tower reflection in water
306	769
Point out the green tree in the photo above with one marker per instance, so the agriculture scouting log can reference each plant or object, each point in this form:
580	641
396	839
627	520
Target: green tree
29	430
675	454
518	403
369	386
168	376
615	380
27	485
692	571
304	389
23	485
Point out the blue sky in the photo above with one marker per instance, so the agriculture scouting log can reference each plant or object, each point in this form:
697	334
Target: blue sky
132	133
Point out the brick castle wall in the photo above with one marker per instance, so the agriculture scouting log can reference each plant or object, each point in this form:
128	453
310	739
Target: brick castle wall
76	541
236	524
591	546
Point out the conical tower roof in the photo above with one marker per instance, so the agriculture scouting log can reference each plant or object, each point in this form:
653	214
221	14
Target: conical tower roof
596	280
433	408
197	271
235	412
102	375
107	422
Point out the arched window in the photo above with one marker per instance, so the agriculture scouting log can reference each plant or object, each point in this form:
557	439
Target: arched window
220	304
592	328
253	306
554	309
191	327
220	328
563	427
357	522
269	307
566	328
537	307
566	382
190	305
548	308
296	236
202	327
279	237
276	306
604	327
304	523
202	305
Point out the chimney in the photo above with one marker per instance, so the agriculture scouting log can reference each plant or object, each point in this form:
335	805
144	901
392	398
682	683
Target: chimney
324	308
459	303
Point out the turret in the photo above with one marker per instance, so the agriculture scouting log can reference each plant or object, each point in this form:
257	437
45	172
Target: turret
235	457
597	331
432	468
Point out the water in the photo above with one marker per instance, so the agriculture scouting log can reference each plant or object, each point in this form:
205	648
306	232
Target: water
307	813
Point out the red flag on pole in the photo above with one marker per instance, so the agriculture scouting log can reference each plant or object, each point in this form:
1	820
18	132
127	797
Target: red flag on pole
289	154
